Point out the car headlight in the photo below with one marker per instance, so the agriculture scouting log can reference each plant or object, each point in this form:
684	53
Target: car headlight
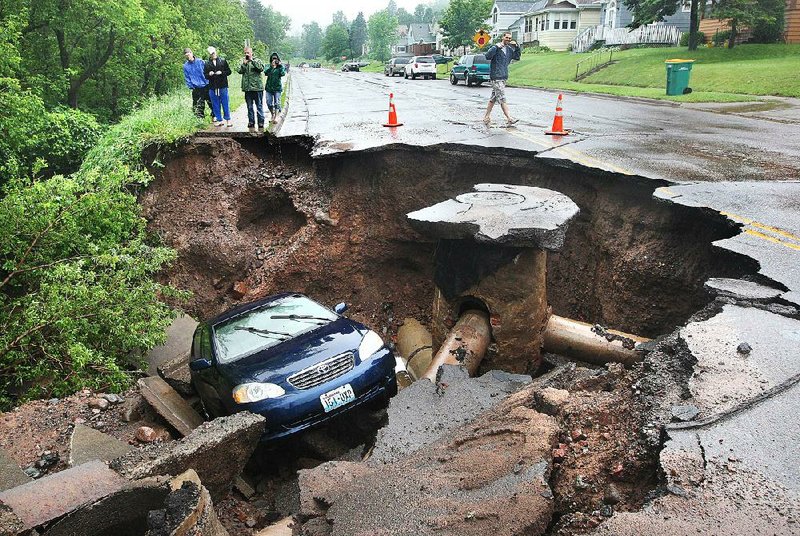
255	392
370	344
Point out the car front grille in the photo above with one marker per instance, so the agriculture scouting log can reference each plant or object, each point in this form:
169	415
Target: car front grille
322	372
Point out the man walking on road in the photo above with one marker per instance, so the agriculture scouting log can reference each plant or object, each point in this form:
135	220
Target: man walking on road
252	85
193	69
501	56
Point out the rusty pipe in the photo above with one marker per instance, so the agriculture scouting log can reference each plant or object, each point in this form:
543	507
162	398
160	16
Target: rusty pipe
583	341
465	345
414	346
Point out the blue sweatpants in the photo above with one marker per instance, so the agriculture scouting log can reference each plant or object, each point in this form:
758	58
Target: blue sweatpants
219	97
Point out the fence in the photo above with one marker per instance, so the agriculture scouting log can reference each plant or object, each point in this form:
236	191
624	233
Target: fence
654	34
593	62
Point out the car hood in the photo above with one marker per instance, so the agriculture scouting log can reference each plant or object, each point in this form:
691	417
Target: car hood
276	363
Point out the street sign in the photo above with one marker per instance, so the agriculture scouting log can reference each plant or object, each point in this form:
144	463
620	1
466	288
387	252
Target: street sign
481	38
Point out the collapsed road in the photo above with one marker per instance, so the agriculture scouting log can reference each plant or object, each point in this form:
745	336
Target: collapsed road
694	435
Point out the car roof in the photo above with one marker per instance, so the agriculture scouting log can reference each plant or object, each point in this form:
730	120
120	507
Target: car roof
236	311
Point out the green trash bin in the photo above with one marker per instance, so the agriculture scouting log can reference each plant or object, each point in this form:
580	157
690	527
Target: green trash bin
678	73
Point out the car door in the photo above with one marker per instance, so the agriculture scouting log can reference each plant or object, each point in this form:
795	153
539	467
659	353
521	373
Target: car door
458	68
207	382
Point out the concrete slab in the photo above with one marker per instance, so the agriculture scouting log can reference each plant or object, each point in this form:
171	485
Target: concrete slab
122	512
726	378
11	475
488	477
169	404
176	373
424	412
53	496
217	450
179	342
742	290
523	216
87	444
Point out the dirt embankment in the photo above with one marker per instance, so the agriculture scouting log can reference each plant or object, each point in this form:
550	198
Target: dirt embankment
336	229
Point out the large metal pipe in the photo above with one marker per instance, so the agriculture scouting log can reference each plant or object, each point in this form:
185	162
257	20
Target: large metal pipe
589	343
465	345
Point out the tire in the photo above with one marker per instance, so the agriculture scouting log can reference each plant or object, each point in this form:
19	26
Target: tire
433	77
453	79
385	73
406	76
413	75
466	81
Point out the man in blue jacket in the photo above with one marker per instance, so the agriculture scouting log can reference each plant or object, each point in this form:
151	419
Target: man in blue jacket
197	82
501	56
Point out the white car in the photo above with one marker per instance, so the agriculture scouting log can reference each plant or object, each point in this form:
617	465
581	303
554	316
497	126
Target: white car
424	66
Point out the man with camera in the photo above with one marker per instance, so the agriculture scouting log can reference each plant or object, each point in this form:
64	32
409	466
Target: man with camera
253	87
501	56
274	86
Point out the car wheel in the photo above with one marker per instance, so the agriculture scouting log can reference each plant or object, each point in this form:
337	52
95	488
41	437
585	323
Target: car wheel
466	81
413	75
433	77
385	73
453	79
406	76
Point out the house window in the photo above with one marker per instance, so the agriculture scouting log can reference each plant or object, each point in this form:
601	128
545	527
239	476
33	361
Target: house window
528	25
573	23
686	6
557	23
494	15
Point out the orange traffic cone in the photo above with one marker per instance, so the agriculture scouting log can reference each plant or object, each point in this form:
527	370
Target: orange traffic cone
558	122
392	114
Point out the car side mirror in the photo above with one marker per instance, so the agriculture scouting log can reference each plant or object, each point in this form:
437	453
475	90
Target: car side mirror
340	308
199	364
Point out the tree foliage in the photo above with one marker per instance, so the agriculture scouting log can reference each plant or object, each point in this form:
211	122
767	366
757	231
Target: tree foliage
336	42
648	11
462	19
382	30
312	40
269	26
750	13
358	34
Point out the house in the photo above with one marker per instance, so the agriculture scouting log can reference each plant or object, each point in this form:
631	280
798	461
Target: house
791	33
555	23
792	28
504	13
416	39
613	28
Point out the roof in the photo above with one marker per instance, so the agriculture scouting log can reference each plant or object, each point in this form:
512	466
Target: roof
519	22
544	5
421	32
510	6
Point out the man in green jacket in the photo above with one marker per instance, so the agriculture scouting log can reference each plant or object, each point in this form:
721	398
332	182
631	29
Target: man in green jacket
251	69
274	86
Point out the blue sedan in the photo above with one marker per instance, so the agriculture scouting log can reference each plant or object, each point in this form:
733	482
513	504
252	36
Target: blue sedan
290	359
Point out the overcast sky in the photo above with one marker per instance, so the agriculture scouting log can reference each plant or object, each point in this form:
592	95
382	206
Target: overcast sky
304	11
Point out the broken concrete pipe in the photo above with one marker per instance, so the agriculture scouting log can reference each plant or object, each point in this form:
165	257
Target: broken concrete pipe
465	345
592	344
492	256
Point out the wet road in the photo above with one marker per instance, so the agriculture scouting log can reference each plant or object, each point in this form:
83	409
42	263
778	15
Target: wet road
658	140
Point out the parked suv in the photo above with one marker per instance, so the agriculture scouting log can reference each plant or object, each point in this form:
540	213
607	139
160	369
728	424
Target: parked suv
472	69
424	66
395	66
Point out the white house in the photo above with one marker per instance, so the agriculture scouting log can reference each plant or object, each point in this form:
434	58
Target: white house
504	13
555	23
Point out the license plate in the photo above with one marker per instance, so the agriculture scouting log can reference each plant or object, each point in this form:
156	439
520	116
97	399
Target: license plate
337	398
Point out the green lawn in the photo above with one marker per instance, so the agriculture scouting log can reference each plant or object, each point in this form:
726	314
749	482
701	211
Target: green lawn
718	74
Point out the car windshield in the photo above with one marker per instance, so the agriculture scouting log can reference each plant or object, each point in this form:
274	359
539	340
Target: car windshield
426	59
267	326
401	61
480	58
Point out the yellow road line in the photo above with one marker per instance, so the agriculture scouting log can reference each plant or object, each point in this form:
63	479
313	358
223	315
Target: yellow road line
572	154
772	239
762	226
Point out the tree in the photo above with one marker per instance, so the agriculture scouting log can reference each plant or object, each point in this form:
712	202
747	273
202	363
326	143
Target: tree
391	8
742	13
269	26
358	35
336	42
382	30
312	40
462	19
339	18
404	17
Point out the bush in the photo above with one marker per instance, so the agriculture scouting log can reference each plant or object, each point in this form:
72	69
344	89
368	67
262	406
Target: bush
767	32
720	38
536	49
701	38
